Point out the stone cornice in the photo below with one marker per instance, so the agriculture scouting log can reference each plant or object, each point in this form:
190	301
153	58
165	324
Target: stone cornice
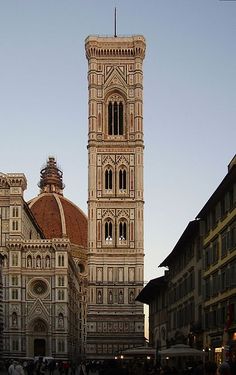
115	47
38	244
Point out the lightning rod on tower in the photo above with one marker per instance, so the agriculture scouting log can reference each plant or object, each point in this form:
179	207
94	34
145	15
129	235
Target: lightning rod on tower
115	34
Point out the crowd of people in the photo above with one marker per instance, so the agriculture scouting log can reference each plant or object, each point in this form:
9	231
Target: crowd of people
200	368
137	367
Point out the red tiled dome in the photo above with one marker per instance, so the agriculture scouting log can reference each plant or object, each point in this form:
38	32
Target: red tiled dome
57	216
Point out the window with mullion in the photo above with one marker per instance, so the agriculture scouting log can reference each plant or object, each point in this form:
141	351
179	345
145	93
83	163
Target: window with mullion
123	231
108	230
108	179
110	117
122	179
115	118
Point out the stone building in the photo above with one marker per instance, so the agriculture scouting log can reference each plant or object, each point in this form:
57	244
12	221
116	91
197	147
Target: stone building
115	194
184	283
154	294
199	287
175	299
63	272
218	217
44	276
1	310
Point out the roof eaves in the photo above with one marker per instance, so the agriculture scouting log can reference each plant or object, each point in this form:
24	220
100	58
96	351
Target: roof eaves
228	179
188	233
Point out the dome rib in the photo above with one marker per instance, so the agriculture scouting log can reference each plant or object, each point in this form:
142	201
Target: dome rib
59	217
63	221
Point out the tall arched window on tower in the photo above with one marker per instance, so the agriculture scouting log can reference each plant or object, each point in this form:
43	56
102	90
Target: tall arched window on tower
122	231
108	231
108	179
122	179
115	116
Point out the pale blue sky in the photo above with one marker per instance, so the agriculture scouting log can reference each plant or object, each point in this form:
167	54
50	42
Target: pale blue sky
189	100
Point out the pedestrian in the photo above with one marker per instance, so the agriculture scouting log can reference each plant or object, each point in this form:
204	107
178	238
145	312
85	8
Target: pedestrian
210	368
30	367
93	369
51	367
15	369
40	367
224	369
19	369
82	369
11	368
232	363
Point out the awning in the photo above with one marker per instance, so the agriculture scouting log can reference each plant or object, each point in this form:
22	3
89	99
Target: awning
140	351
181	350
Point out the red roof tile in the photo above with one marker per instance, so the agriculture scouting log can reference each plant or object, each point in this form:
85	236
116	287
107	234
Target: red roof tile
58	217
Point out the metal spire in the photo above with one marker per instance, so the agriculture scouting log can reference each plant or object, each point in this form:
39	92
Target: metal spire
115	34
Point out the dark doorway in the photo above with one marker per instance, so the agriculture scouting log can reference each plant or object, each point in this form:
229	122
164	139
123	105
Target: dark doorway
39	347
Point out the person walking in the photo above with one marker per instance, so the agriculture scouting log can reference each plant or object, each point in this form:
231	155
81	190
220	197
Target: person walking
210	368
224	369
15	369
82	369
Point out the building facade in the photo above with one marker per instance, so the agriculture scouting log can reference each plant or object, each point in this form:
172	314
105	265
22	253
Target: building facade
184	293
115	194
1	310
175	299
43	295
200	285
218	218
154	294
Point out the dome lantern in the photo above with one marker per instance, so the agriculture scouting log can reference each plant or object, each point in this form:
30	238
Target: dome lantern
51	178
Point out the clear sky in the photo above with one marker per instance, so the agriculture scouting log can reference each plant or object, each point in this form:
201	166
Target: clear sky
189	100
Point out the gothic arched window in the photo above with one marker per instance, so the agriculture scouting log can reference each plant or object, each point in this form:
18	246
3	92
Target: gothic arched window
122	179
61	294
108	179
61	281
115	116
15	212
122	231
108	231
61	260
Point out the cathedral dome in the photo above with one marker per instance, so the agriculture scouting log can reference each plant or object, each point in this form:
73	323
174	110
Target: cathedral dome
57	216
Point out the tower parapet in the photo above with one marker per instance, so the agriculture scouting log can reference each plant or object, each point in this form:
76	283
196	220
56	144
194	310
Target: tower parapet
121	46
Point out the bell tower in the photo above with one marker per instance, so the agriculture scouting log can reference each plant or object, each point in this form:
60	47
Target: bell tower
115	194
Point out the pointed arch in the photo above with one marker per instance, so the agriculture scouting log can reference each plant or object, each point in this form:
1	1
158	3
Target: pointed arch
108	231
39	325
108	178
122	178
115	104
123	230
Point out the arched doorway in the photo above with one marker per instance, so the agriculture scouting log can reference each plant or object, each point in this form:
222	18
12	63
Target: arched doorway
40	331
39	347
